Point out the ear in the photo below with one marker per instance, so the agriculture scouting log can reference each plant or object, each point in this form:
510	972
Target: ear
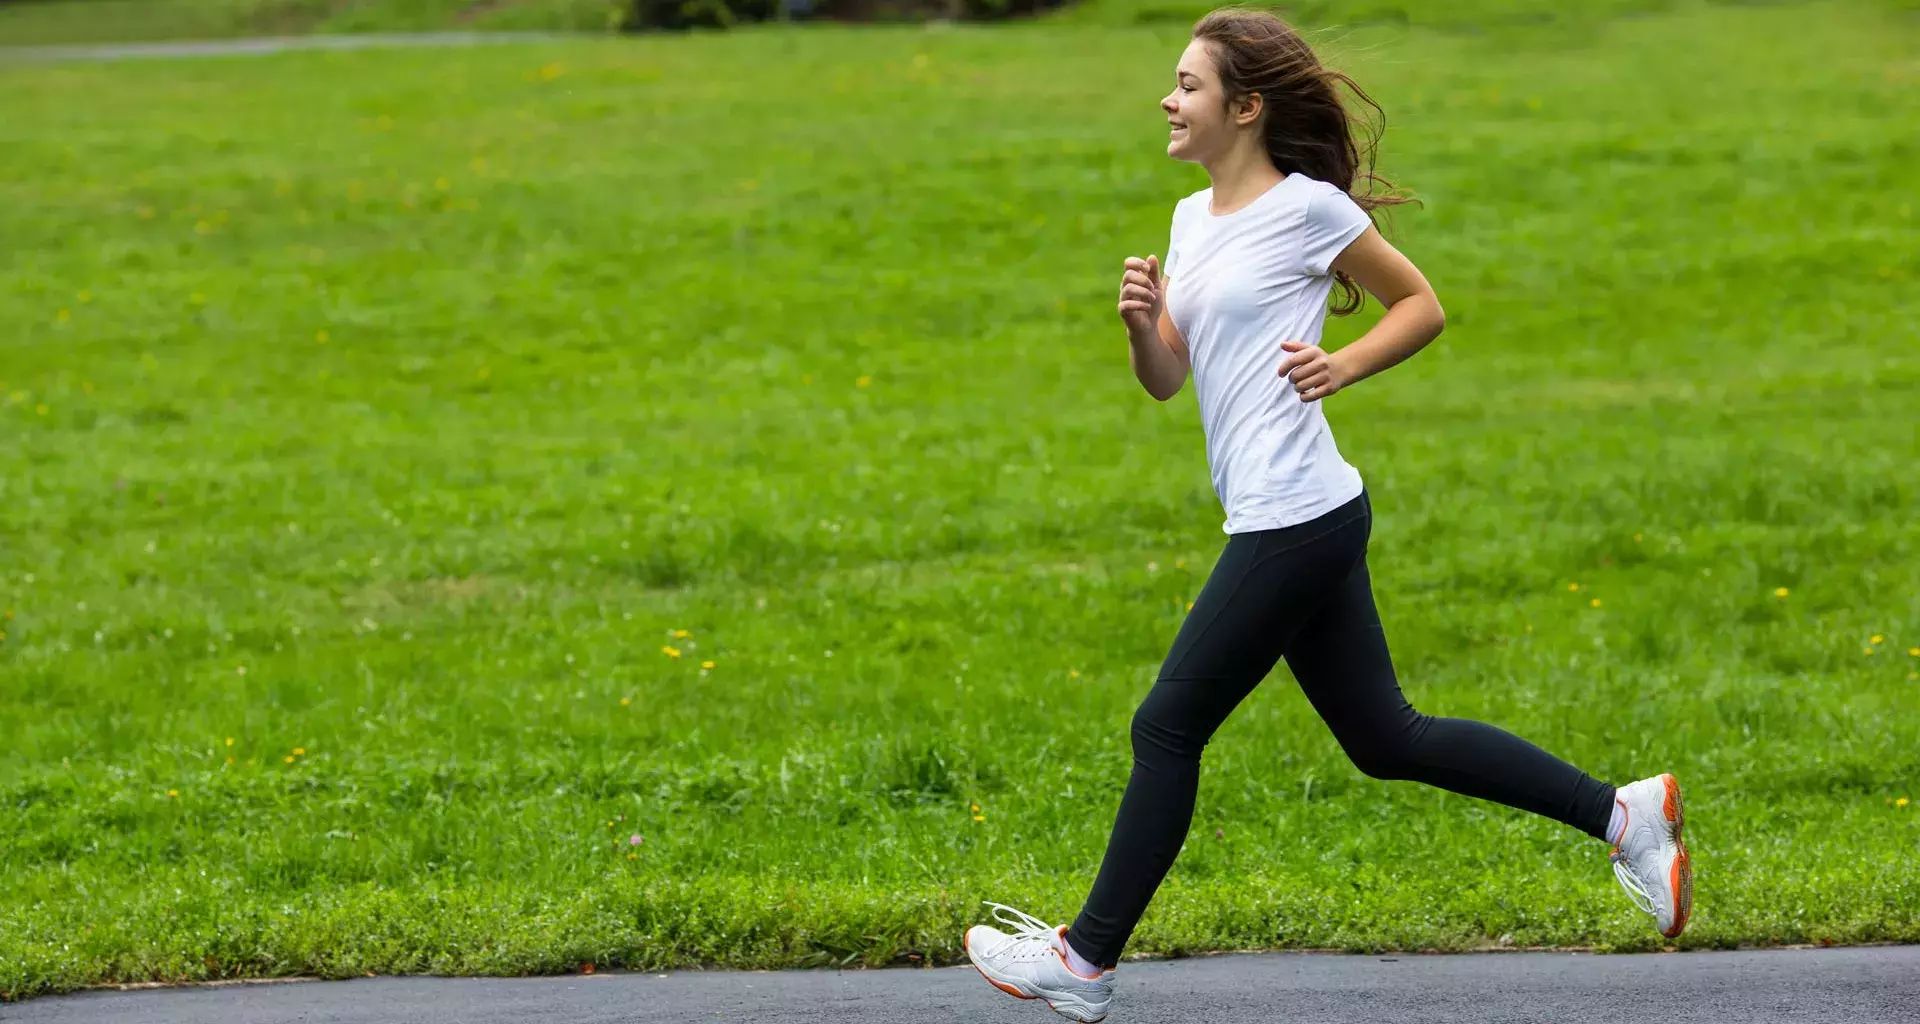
1247	109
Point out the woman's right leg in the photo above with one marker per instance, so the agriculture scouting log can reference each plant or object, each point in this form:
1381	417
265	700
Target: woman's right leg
1341	661
1262	589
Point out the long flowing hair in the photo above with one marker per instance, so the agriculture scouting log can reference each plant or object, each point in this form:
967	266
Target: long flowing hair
1307	128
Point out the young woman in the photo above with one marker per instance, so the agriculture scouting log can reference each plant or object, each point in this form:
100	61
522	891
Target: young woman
1256	257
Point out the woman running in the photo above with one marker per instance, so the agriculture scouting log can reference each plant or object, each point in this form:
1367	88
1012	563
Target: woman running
1257	255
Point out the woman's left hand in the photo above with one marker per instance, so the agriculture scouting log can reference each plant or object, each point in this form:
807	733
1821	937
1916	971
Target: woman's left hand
1313	373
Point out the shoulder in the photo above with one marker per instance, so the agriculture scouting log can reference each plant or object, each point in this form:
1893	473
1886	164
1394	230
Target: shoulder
1324	198
1186	208
1326	208
1314	193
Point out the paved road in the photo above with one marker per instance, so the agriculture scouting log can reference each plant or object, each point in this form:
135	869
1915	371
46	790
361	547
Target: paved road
263	44
1831	986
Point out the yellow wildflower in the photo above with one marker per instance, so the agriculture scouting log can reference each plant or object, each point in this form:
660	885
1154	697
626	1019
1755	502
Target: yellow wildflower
671	652
706	664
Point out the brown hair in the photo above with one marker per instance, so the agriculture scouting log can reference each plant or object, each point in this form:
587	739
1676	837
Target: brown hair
1307	129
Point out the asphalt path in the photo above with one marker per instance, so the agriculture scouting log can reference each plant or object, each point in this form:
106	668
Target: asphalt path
1870	985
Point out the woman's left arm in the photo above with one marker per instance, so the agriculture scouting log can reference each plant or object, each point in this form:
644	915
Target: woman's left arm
1413	318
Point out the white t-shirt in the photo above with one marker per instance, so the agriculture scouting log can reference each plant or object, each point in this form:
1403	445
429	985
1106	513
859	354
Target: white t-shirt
1237	286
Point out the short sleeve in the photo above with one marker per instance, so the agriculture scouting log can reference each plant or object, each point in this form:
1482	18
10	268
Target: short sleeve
1333	221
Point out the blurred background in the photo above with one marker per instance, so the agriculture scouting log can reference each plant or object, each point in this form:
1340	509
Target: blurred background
665	487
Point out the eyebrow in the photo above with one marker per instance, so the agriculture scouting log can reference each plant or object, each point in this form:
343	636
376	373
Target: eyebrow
1187	74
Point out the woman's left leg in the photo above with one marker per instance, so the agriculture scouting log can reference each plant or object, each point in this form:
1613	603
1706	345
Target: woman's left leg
1341	661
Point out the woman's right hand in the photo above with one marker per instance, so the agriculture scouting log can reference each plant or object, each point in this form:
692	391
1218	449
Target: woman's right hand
1141	296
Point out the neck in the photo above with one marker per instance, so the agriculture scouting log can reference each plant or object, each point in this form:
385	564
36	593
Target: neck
1240	176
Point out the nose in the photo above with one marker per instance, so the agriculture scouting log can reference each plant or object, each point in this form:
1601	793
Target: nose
1167	104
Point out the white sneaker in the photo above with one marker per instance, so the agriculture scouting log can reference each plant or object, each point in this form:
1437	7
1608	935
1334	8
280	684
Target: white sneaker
1650	861
1028	965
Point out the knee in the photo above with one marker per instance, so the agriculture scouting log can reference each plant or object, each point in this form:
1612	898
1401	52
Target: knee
1157	739
1383	750
1382	761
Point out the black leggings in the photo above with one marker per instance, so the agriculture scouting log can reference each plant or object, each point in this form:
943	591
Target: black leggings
1301	593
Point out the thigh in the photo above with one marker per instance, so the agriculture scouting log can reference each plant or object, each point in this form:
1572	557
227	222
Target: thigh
1264	589
1341	661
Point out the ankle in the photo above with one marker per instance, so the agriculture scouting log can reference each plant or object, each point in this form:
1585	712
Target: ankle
1617	823
1078	964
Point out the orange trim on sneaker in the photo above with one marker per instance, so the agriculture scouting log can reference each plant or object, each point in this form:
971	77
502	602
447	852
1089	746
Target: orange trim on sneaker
1680	877
967	944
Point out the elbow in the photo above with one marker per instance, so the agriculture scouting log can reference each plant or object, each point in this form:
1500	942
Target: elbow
1167	390
1439	316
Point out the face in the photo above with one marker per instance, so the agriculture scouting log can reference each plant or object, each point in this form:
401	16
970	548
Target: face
1200	125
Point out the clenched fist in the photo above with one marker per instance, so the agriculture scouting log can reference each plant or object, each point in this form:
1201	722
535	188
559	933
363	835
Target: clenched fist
1141	297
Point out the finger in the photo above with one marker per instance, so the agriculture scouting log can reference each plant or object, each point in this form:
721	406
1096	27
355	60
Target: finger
1134	306
1308	370
1312	381
1137	291
1135	263
1295	346
1137	277
1296	359
1153	268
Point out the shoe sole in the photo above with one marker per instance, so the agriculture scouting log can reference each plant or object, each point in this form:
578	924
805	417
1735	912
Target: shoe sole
1681	874
967	944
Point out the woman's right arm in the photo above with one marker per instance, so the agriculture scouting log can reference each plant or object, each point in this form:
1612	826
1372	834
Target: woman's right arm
1159	357
1154	346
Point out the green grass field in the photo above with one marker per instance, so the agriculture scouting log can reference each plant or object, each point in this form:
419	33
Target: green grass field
424	471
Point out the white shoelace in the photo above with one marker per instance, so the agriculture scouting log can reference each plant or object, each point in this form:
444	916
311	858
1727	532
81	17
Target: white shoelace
1631	882
1024	925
